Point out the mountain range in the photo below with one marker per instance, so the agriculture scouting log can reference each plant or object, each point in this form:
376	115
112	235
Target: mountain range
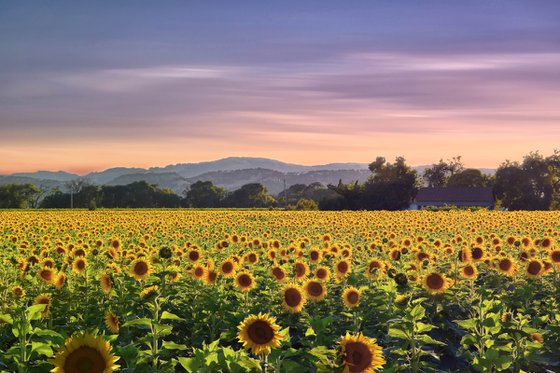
230	173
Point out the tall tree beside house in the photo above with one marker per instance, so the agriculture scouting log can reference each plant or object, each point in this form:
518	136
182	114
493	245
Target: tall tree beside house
439	174
204	194
471	178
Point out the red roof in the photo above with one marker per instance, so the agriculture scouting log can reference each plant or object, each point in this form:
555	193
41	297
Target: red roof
455	194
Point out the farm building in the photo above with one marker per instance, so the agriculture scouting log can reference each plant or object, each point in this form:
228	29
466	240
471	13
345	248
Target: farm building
453	196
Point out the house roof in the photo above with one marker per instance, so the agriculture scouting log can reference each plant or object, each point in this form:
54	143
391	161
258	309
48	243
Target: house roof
455	194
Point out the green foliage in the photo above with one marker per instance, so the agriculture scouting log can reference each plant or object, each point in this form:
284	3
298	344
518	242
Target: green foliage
15	196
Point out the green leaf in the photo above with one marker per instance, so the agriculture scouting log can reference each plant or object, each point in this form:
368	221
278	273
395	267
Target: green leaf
170	316
34	312
6	318
424	338
417	313
468	324
170	345
41	349
188	363
398	333
139	322
310	332
422	328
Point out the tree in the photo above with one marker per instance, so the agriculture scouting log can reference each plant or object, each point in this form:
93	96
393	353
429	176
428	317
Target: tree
15	196
390	187
469	177
439	174
204	194
250	195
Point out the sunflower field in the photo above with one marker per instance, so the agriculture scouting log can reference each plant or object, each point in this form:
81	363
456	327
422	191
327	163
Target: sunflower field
278	291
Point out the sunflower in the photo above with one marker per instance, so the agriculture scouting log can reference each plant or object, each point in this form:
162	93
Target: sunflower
18	292
106	283
293	298
79	265
211	277
228	268
315	290
342	269
46	300
252	257
112	322
323	274
436	283
478	254
259	333
199	272
351	297
245	281
534	268
361	354
85	353
149	292
301	270
140	269
59	280
555	256
47	275
469	271
375	269
506	266
278	273
315	255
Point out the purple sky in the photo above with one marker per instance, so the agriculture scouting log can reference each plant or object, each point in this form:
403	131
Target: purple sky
90	85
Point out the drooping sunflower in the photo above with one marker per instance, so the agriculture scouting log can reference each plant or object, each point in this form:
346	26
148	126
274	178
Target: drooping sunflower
293	298
46	300
361	354
245	281
211	277
140	269
375	269
436	283
106	283
315	290
112	322
259	333
351	297
59	280
555	257
85	353
149	292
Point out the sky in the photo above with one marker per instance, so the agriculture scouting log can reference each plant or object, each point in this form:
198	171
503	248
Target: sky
86	86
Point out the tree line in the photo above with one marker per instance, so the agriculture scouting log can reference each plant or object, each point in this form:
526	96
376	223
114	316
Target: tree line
533	184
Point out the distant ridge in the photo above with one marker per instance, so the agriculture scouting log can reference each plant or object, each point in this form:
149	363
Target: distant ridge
230	173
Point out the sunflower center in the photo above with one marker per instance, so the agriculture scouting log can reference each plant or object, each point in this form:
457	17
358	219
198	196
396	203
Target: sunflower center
505	264
477	253
193	255
300	270
358	356
278	273
245	280
321	273
315	288
353	297
260	332
314	255
292	297
342	267
252	258
435	281
85	360
469	271
141	268
534	268
198	271
227	267
555	256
